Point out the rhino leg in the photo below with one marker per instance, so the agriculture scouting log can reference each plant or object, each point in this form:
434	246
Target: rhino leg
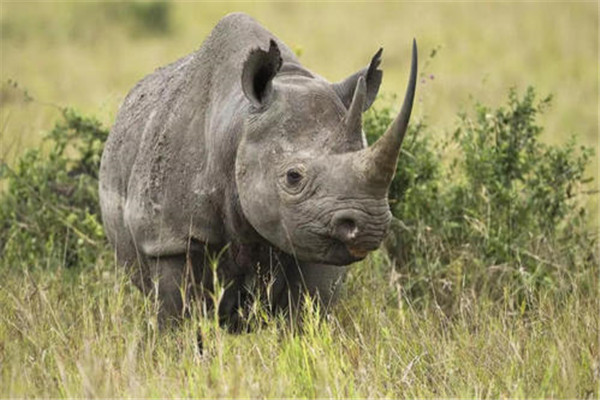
322	282
171	285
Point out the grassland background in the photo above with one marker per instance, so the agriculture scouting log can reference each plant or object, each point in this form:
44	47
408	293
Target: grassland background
85	332
87	55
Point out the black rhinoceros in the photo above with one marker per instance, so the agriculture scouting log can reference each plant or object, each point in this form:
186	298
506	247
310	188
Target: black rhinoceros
237	160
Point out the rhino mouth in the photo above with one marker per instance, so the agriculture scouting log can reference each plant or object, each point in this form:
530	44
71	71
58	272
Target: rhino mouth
340	253
332	251
358	252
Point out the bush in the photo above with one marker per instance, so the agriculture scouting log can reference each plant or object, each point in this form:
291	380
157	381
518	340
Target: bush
503	218
49	210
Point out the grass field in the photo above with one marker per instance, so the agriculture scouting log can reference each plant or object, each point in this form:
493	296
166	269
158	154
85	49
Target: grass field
90	55
516	323
89	334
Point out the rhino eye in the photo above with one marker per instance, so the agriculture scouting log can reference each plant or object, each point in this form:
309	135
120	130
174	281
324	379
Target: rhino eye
293	177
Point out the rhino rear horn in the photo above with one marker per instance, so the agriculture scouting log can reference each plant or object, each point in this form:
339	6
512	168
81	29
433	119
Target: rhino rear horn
258	72
353	120
372	75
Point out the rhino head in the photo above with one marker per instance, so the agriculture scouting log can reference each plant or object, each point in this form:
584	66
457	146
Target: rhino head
307	182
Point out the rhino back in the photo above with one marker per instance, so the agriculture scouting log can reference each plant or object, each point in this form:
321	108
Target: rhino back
167	168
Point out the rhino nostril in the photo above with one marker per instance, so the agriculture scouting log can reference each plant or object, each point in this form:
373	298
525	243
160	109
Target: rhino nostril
346	229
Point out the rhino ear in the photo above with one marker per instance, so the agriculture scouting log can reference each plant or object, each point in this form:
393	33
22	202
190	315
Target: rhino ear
372	75
258	72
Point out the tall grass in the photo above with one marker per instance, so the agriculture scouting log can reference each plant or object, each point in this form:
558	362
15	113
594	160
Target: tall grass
89	334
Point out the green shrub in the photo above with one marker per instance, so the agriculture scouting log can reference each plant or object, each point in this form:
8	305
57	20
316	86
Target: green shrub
492	210
49	211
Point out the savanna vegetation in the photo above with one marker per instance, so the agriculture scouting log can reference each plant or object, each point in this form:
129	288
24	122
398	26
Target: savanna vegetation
486	287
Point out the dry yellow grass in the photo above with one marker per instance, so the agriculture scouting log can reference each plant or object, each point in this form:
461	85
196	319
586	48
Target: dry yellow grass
87	334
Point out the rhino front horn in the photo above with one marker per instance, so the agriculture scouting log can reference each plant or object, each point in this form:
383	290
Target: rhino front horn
379	161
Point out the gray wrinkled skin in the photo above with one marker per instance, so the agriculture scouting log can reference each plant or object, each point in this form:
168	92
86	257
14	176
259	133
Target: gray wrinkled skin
238	151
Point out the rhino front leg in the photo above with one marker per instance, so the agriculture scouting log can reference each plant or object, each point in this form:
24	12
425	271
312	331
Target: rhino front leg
169	283
321	281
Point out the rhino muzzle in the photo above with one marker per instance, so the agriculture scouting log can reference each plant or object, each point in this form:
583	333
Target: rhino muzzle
359	232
